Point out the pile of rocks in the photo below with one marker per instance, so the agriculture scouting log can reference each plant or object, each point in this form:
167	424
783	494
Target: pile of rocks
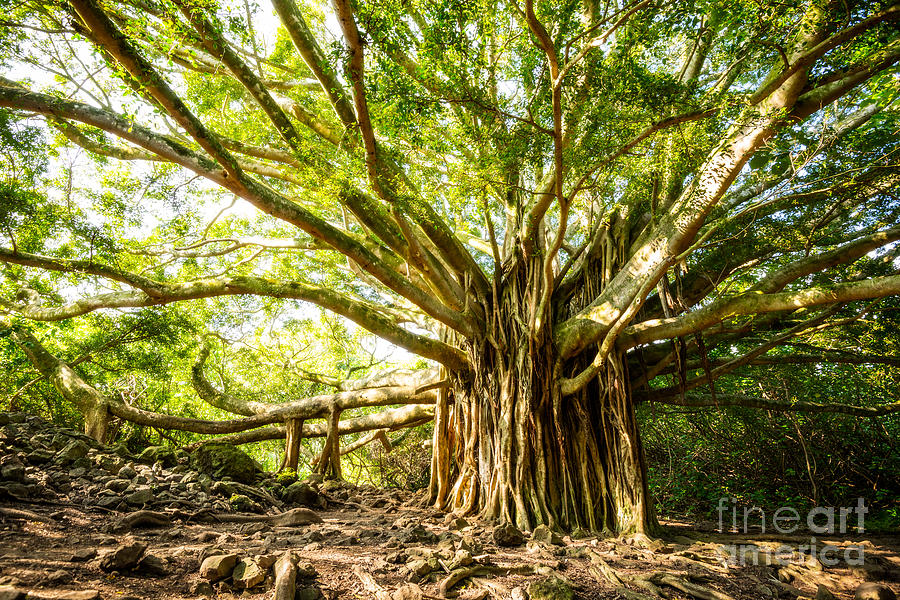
40	461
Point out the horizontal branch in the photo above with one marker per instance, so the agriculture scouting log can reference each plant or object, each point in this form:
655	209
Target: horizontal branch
154	293
750	303
392	419
733	400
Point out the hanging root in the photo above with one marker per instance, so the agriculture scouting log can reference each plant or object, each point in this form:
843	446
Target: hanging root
651	582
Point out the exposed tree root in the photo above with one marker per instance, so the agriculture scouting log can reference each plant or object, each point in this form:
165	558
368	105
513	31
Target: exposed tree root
295	517
24	515
458	575
651	582
285	577
142	518
407	591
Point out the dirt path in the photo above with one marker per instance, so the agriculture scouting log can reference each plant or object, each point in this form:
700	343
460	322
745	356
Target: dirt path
397	545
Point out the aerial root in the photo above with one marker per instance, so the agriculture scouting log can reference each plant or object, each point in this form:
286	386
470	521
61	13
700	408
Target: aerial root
650	582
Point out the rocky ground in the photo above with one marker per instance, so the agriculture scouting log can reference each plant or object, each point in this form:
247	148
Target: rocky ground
83	521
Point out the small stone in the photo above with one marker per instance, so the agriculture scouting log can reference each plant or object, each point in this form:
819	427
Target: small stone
59	576
218	567
117	485
201	588
139	497
874	591
518	593
508	535
247	573
83	554
126	556
153	565
457	523
545	535
462	558
110	501
127	472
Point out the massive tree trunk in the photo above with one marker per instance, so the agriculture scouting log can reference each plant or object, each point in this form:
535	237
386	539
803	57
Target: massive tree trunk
523	452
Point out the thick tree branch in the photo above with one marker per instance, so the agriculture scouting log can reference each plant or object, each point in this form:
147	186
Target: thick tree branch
751	303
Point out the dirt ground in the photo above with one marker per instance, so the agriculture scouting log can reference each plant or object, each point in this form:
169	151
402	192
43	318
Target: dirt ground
55	557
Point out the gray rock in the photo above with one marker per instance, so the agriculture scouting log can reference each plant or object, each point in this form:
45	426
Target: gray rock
153	565
125	557
58	577
12	469
417	534
110	501
117	485
39	456
247	573
72	451
874	591
545	535
218	567
139	497
127	472
508	535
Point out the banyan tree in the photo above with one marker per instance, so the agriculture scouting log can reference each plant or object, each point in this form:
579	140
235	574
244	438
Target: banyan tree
566	208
